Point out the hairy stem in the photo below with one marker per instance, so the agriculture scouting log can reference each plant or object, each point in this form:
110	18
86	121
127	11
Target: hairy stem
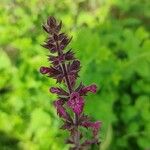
76	138
67	78
77	130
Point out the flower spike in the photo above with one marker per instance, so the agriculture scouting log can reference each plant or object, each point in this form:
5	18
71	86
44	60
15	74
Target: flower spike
64	67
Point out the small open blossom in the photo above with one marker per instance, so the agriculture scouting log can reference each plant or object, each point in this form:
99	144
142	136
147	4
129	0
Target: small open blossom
76	102
64	68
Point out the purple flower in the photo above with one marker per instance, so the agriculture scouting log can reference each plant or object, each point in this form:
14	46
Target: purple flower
52	26
89	142
73	69
64	67
58	91
61	111
44	70
56	60
76	103
95	126
91	88
69	55
54	72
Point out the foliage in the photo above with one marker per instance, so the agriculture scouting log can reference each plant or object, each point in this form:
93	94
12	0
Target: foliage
111	34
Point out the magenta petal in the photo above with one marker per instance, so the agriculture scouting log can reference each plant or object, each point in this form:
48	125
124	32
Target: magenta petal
54	90
76	103
94	125
61	111
58	91
58	102
91	88
44	70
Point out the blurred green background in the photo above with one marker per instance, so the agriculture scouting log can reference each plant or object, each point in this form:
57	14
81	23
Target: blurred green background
112	40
